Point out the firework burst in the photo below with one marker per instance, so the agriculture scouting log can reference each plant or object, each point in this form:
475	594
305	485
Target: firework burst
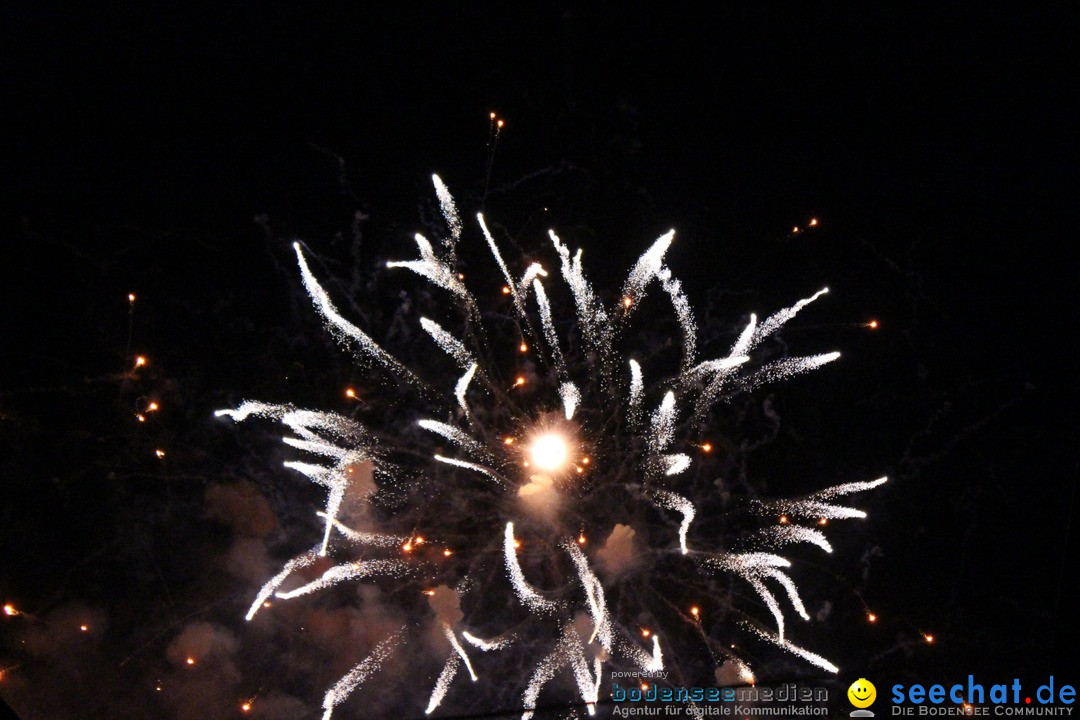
556	481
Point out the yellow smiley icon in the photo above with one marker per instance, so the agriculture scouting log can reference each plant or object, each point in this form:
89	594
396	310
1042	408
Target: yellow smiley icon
862	693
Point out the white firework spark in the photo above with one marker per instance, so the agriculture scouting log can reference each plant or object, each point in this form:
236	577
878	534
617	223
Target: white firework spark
550	471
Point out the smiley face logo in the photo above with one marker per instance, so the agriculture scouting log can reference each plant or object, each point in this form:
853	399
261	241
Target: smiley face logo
862	693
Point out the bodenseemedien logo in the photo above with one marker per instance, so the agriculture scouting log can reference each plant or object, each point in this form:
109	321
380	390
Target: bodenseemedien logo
862	694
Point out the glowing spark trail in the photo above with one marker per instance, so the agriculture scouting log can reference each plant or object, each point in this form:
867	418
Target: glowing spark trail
647	267
450	344
525	592
671	501
559	445
435	270
449	213
345	332
345	686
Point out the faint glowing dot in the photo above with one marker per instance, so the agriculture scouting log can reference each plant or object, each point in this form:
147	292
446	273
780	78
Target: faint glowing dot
823	522
519	381
517	543
84	628
407	547
795	229
695	611
500	123
245	707
525	464
644	686
646	632
492	116
584	461
191	661
158	688
581	539
152	407
350	393
873	324
706	447
447	552
784	520
429	593
508	440
523	347
813	222
505	290
10	610
871	617
549	452
140	361
131	297
140	418
579	469
461	276
419	540
928	638
160	453
267	604
627	302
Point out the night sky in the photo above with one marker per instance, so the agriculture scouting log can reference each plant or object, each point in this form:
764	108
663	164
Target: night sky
174	153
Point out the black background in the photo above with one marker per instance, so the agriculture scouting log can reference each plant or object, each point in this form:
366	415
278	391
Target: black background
935	145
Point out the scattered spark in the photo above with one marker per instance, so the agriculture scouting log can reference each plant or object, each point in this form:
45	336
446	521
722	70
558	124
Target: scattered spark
190	661
350	393
871	617
84	628
131	297
10	610
928	638
160	453
140	361
706	447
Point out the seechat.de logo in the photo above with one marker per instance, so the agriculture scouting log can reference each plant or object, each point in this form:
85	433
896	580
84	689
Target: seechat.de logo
862	694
